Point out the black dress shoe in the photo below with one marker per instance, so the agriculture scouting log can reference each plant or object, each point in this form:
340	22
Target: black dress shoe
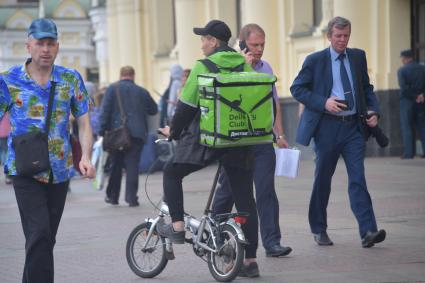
373	238
322	239
111	201
134	204
278	250
250	271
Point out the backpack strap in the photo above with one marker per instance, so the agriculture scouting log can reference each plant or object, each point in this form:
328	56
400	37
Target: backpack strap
213	68
238	68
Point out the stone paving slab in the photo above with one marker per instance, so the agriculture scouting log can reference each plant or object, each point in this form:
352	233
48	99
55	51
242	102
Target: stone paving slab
92	236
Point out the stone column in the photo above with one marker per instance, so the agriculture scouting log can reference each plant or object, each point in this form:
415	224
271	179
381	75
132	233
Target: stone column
99	23
359	14
124	31
327	14
265	14
112	44
188	44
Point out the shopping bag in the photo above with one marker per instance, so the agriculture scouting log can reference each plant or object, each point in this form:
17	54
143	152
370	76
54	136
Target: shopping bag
287	162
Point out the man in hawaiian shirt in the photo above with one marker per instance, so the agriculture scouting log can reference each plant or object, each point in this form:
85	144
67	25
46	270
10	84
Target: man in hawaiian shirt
24	93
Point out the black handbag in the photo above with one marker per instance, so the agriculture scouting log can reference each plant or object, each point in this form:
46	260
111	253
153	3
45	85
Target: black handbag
118	139
31	149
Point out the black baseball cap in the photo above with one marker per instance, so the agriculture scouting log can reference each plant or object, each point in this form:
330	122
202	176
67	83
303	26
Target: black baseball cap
406	53
215	28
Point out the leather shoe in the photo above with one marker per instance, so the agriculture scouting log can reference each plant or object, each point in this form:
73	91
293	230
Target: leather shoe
278	250
134	204
250	271
111	201
322	239
373	238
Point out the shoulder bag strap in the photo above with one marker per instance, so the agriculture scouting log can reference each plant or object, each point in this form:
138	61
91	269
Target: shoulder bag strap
361	94
50	107
118	94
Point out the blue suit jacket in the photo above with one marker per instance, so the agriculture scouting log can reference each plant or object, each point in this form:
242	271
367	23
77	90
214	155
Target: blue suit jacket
313	85
411	78
137	104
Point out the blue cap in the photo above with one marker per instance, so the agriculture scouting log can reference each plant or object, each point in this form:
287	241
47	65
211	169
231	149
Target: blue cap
43	28
407	53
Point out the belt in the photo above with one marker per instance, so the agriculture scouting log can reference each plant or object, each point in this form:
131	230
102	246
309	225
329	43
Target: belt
341	118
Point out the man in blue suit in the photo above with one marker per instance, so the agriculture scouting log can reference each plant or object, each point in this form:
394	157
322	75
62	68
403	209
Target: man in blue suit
411	78
333	84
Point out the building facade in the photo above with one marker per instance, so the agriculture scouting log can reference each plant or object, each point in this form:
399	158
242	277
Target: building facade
77	50
151	35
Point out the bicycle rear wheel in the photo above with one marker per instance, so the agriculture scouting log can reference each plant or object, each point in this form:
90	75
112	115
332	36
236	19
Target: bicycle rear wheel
227	262
150	261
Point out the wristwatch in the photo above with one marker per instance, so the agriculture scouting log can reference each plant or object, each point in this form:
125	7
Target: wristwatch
280	137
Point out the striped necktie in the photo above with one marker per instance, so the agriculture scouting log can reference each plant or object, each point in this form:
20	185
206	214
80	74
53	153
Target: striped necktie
348	92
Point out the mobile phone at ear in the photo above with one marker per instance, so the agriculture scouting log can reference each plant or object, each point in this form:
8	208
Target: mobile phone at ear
243	46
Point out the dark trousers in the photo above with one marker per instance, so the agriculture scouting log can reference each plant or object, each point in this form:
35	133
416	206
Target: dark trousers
412	115
128	160
242	190
332	139
267	202
40	207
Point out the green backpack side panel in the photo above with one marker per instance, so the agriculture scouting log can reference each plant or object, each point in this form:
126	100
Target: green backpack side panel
236	108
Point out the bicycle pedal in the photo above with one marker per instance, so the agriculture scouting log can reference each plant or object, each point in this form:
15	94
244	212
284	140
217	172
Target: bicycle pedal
170	255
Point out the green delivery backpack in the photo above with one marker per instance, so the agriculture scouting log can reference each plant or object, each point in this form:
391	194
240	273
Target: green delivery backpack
236	107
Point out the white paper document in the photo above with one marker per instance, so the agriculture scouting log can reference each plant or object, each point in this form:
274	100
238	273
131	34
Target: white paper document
287	162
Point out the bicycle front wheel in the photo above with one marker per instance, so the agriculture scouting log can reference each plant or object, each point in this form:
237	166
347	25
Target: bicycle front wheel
149	261
227	262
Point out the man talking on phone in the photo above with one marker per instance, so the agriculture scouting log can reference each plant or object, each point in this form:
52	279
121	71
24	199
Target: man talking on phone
252	42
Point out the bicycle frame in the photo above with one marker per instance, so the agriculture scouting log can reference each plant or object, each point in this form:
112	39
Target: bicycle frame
196	227
216	239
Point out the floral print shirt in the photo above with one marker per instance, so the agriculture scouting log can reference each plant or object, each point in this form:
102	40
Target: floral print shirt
27	103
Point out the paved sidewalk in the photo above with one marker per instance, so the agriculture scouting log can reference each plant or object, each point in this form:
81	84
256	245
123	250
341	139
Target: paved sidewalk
92	236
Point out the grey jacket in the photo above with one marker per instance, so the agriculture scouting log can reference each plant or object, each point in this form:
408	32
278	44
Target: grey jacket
137	104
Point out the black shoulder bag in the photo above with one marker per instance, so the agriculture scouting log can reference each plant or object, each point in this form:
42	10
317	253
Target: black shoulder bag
376	131
31	149
118	139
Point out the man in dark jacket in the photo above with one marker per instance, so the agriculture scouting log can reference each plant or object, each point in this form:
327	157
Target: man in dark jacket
137	104
411	78
191	156
332	84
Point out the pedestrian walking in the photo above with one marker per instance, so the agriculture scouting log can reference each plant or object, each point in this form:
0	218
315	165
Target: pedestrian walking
254	37
39	97
136	104
331	84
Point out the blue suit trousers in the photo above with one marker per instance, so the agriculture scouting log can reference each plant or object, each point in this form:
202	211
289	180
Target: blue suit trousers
412	115
333	139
